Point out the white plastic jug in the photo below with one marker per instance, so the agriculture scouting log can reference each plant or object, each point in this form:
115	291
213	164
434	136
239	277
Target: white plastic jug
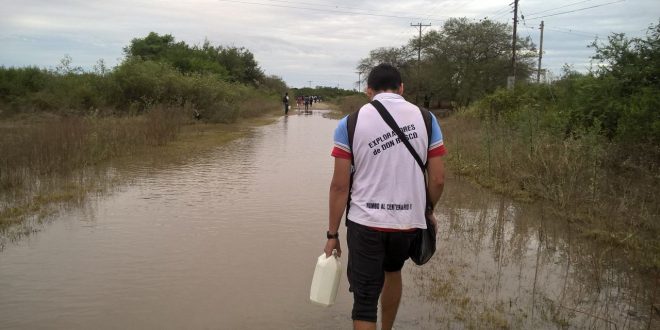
326	280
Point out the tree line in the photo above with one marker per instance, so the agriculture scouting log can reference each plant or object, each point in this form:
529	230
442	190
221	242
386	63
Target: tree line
467	62
588	142
460	63
156	70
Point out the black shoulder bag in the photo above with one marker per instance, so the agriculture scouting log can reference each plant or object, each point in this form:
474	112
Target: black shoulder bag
423	247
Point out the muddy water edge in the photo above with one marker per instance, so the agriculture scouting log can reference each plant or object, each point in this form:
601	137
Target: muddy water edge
227	237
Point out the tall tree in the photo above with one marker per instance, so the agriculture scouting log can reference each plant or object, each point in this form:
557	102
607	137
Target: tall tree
460	62
235	64
473	58
399	57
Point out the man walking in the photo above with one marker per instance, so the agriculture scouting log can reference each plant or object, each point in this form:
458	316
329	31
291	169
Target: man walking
285	100
387	195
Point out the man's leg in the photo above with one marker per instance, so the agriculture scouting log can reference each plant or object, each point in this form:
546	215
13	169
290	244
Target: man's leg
364	325
390	298
365	273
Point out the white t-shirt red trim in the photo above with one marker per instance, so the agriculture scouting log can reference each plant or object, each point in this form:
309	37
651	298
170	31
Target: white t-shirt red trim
388	186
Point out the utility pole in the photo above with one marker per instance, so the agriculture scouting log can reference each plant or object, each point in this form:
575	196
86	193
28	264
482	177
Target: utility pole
538	72
310	83
359	81
419	57
515	37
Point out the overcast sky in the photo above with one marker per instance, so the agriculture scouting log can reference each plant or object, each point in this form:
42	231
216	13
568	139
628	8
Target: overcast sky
298	40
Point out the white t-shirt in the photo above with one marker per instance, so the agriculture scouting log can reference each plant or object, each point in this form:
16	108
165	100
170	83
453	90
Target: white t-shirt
388	186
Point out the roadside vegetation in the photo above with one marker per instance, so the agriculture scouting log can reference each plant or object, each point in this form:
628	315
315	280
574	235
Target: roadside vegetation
54	122
589	143
327	94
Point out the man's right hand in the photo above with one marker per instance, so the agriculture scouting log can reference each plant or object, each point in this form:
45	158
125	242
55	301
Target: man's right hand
433	220
332	244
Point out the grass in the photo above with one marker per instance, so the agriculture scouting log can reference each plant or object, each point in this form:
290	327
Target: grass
447	286
610	199
352	103
53	161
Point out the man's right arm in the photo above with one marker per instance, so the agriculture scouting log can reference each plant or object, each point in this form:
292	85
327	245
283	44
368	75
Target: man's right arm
340	185
339	190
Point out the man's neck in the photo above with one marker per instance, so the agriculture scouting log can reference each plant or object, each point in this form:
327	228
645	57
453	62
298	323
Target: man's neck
389	91
392	91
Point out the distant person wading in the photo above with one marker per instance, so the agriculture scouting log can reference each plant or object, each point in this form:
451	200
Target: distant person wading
285	100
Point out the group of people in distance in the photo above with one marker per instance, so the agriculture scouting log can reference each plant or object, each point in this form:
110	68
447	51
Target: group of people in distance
307	101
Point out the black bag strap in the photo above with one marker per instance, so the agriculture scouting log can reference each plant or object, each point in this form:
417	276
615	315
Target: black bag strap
395	127
427	121
351	122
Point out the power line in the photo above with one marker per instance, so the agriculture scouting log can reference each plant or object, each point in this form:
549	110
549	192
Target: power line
505	12
574	32
522	16
502	11
328	10
560	7
312	5
463	5
576	10
436	7
502	15
567	31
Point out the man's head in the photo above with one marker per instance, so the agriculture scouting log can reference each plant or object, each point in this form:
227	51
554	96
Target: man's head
384	78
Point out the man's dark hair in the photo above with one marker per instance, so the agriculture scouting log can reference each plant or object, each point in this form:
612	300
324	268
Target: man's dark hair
384	77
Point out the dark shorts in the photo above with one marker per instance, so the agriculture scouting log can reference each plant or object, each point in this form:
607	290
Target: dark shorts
371	253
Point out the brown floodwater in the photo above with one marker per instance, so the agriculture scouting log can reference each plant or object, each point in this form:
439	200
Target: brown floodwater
229	240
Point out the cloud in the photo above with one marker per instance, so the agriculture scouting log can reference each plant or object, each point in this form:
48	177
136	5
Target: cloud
299	40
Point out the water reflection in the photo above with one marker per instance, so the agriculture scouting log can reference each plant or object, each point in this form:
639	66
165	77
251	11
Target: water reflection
228	239
506	265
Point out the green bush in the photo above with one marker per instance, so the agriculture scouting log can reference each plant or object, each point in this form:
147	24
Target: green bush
589	143
216	82
640	118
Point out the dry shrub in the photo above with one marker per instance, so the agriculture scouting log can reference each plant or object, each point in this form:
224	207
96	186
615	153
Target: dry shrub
162	125
256	106
351	103
59	145
580	174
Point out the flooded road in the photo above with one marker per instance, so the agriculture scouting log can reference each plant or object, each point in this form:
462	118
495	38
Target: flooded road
229	240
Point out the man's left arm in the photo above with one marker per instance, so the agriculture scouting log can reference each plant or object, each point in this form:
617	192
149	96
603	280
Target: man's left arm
435	166
436	178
